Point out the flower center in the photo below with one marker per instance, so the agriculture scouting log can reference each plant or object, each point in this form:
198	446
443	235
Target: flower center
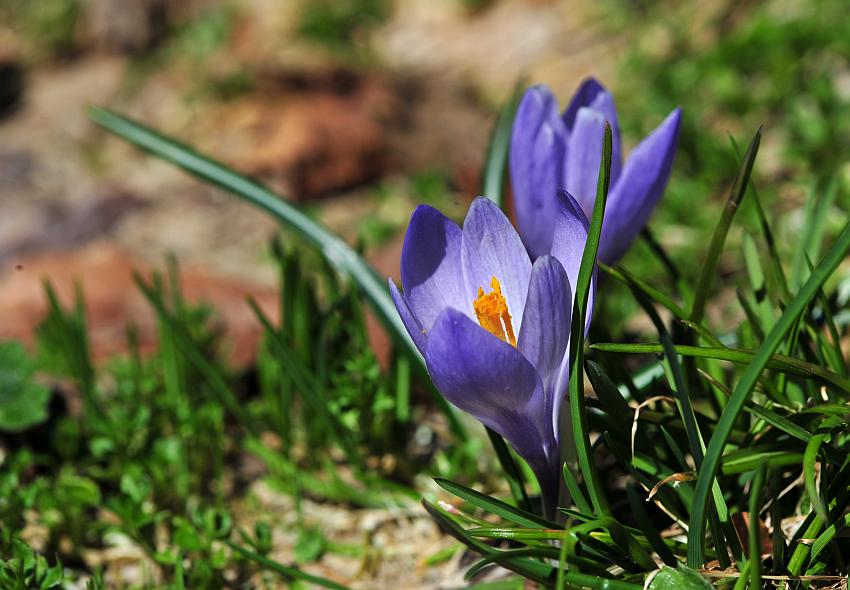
491	309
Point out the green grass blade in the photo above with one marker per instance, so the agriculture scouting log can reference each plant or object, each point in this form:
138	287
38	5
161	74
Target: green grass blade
744	388
578	412
494	506
776	362
288	572
718	239
339	254
496	160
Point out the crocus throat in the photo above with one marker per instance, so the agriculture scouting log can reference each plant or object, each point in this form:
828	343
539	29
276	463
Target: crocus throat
491	309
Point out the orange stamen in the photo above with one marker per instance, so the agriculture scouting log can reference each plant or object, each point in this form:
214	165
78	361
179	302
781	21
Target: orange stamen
491	309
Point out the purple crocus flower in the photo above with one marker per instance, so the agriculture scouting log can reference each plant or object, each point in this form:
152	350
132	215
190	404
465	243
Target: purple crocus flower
551	151
493	325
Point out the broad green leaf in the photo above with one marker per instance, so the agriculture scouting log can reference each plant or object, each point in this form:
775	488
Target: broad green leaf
678	578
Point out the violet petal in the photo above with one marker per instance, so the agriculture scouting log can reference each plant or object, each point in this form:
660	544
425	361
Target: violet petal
639	188
431	274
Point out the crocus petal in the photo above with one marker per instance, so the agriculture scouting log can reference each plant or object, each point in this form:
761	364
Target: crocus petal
545	330
595	96
584	96
431	274
639	188
414	328
491	380
537	153
490	247
571	228
584	153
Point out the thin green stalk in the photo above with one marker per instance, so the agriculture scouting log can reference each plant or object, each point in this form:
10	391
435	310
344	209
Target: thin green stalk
718	239
578	411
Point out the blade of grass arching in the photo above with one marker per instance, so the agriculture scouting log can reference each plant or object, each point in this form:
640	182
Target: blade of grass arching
648	527
339	254
494	506
718	239
288	573
776	362
586	273
496	160
512	471
767	232
210	373
744	389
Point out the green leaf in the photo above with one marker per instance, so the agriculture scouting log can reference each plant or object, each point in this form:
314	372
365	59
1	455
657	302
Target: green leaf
678	578
743	390
776	362
339	254
23	402
288	573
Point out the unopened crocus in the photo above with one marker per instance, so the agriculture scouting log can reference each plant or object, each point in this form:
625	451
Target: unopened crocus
493	324
552	150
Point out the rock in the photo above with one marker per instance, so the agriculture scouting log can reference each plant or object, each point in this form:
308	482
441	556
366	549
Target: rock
112	299
310	134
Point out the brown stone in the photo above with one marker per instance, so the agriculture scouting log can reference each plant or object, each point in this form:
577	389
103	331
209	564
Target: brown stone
105	273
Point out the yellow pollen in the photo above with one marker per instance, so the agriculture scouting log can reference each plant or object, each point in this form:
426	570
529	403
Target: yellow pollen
491	309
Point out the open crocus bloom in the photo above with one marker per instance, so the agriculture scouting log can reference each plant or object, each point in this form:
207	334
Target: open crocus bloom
551	151
493	326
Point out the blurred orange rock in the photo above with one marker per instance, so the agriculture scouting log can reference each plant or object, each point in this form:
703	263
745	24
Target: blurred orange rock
310	135
112	299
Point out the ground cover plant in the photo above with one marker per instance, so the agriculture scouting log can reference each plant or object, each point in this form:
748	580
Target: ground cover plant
703	453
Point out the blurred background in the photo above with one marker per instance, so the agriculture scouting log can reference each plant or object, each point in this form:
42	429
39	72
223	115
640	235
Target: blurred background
360	109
